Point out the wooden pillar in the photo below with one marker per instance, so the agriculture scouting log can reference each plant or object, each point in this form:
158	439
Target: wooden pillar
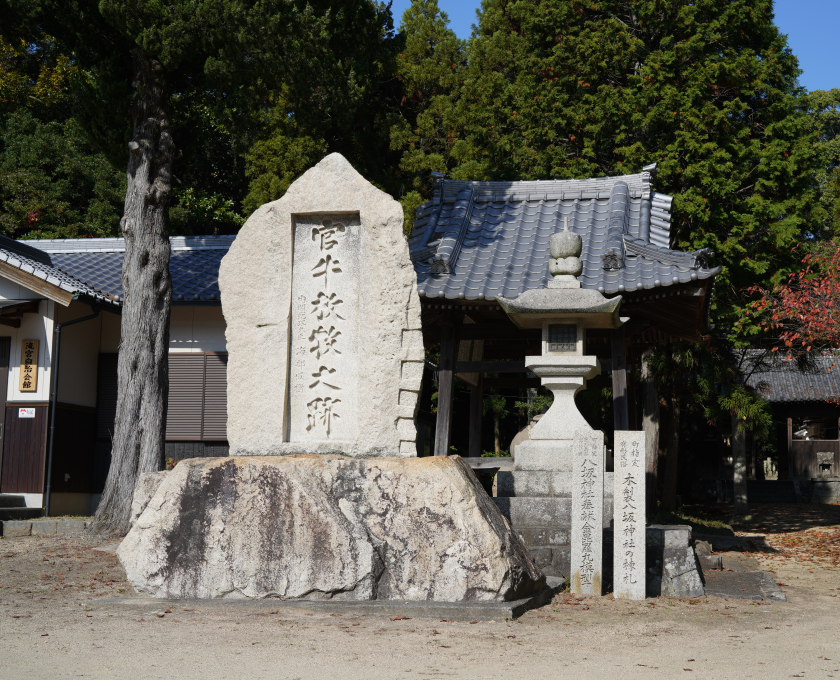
789	448
650	426
476	403
446	376
619	380
739	467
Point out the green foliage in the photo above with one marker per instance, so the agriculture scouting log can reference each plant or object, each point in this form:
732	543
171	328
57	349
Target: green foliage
707	89
426	126
197	212
711	382
53	184
539	404
495	404
272	164
824	109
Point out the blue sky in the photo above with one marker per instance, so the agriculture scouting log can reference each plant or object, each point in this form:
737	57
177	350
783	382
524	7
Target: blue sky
811	27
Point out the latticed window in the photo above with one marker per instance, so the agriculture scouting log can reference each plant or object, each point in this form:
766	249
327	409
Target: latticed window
562	337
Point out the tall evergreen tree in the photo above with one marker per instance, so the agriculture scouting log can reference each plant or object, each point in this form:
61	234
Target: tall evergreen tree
426	126
706	88
292	135
137	55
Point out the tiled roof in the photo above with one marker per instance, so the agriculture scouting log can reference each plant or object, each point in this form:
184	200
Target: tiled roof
37	263
480	240
784	382
97	264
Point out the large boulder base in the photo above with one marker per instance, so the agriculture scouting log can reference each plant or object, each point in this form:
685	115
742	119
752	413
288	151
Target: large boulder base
326	527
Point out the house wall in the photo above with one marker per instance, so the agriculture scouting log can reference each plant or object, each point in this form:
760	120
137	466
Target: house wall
79	354
24	439
197	329
32	327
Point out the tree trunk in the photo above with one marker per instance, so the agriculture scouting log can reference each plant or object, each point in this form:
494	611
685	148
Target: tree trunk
143	367
497	435
739	466
669	495
650	426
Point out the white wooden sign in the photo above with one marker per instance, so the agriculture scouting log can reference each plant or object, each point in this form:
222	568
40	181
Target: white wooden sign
629	571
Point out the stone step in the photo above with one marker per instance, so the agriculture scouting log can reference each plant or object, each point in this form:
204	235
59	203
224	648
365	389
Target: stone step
528	511
19	513
45	527
541	484
543	536
552	561
9	500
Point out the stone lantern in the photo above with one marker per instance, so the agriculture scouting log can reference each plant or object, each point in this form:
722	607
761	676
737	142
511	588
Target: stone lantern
536	496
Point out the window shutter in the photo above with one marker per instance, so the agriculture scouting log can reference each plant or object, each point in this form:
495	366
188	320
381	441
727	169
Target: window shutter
106	396
186	389
215	398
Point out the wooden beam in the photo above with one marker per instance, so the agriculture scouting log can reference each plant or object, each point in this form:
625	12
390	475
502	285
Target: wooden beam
621	418
495	331
490	367
10	321
446	374
476	404
35	284
512	382
490	462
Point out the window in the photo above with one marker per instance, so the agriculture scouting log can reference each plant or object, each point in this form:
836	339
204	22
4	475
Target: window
562	337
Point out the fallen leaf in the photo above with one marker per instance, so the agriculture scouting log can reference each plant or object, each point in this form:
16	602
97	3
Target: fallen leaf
167	611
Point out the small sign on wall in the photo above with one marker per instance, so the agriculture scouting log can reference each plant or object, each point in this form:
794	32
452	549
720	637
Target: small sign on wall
29	366
26	413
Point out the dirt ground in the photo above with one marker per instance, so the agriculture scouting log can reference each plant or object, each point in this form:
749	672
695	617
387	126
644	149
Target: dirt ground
51	627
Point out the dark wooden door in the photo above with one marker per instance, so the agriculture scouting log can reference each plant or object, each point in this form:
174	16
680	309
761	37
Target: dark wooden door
5	348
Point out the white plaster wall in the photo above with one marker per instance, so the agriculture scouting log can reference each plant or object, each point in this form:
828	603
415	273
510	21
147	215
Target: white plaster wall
197	329
79	355
32	327
9	290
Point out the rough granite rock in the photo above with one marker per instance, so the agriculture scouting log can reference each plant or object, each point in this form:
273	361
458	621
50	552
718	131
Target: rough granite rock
145	488
325	348
313	526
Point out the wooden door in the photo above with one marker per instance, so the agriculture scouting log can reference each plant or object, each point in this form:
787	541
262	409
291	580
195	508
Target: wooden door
5	348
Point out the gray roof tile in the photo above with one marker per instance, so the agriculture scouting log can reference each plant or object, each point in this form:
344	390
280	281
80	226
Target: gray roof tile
499	245
94	266
784	382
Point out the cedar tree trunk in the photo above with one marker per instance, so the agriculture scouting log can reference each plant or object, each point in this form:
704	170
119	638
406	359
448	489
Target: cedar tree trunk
669	494
739	466
143	368
650	426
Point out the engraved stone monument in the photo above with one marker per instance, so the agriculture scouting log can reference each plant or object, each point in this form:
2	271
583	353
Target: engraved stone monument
323	495
629	567
323	322
587	513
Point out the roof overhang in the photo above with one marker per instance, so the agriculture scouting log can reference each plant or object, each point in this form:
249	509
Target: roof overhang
35	284
12	311
532	307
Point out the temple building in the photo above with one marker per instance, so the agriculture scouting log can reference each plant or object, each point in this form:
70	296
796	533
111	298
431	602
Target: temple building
472	243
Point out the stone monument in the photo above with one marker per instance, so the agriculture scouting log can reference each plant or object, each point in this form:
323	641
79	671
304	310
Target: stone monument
587	568
323	322
537	496
629	527
323	496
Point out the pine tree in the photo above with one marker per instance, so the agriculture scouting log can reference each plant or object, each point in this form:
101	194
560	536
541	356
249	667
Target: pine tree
705	88
426	127
137	57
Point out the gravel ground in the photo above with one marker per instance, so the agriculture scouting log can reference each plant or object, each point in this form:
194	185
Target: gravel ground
50	627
